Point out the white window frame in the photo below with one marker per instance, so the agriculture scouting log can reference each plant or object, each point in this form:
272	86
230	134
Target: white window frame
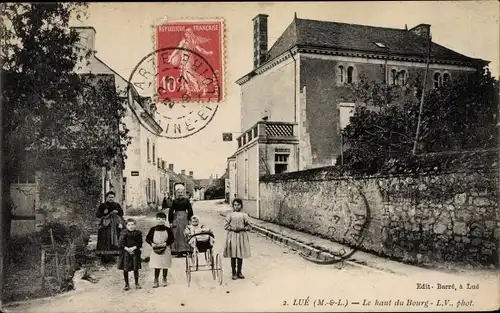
345	105
449	77
404	81
341	73
439	80
280	162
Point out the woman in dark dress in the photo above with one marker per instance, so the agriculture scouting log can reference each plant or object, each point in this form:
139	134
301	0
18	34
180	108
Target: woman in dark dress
179	216
111	224
167	203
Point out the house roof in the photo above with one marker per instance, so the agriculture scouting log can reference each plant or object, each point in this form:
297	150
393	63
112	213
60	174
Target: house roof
204	182
343	36
188	180
141	100
173	176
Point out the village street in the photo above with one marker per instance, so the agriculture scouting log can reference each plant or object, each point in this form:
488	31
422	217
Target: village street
274	274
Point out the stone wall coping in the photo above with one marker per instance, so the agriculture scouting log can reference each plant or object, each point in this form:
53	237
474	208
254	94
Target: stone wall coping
274	178
434	164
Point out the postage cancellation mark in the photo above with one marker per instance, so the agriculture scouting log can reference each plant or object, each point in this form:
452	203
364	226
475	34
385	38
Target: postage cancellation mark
160	114
178	86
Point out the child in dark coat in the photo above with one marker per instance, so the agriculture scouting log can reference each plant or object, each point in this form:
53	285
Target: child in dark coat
130	258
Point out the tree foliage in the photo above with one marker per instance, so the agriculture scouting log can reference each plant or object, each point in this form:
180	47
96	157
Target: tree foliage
455	117
54	119
47	106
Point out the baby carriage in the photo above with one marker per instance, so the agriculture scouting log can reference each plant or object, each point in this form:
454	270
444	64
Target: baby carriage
212	263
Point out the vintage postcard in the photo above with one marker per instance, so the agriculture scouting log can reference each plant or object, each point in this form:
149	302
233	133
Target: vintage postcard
250	157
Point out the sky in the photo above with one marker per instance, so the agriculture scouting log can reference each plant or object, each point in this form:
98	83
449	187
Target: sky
125	35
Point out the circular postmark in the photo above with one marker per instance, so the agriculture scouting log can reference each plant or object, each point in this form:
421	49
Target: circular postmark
178	91
348	227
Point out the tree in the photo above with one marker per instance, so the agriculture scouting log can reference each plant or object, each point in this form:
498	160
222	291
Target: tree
53	117
381	126
459	116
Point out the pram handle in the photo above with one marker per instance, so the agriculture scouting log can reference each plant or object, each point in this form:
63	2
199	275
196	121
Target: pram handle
202	233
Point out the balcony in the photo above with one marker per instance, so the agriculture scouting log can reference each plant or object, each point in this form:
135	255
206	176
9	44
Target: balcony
267	131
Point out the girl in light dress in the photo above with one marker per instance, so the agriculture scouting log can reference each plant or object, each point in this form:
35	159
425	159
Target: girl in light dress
237	246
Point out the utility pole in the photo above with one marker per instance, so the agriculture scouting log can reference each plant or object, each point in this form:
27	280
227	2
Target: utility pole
2	244
415	143
2	215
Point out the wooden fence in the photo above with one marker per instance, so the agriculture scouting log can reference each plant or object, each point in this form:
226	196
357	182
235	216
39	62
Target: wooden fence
58	265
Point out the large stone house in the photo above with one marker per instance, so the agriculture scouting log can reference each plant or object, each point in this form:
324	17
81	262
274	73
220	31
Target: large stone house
143	180
297	96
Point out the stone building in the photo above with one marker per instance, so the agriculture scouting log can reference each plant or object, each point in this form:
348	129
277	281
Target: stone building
231	184
297	95
142	180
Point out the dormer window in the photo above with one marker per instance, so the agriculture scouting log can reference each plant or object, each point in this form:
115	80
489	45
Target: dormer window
380	45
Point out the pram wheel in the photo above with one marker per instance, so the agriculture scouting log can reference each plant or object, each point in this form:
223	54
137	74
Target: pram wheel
212	265
188	269
218	269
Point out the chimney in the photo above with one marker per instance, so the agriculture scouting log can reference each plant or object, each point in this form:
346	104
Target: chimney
171	166
191	173
86	44
259	39
423	30
87	36
183	172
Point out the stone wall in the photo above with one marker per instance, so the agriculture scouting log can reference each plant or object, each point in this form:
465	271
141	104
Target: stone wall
441	217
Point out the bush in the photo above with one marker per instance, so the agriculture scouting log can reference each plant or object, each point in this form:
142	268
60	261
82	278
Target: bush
60	233
63	235
141	211
23	250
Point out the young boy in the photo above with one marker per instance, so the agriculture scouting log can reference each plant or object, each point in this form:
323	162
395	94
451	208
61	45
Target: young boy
130	245
160	237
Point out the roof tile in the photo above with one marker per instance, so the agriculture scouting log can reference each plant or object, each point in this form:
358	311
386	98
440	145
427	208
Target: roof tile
325	34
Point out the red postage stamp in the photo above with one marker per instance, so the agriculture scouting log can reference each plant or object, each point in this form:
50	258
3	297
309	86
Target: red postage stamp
191	69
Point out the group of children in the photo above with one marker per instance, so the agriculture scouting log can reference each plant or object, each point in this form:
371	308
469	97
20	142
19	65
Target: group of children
160	238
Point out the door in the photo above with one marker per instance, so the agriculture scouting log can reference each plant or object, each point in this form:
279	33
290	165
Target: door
26	200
